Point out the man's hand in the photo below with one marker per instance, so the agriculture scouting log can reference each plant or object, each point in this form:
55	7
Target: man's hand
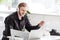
41	23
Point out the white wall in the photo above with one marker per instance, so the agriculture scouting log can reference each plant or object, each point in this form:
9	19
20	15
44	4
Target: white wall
1	27
51	21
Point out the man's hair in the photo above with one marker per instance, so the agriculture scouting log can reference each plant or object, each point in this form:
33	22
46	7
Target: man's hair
22	5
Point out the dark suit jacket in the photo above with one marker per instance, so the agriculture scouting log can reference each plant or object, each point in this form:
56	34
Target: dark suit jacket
13	22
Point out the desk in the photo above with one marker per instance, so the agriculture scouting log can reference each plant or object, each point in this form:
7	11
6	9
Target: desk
47	38
25	36
55	37
14	38
42	38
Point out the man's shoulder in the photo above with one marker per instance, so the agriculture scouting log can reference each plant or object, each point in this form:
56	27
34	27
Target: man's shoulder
11	16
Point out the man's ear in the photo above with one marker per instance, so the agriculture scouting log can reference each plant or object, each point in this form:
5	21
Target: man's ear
17	9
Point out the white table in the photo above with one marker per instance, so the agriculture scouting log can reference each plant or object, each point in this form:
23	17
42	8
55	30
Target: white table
55	37
42	38
14	38
47	38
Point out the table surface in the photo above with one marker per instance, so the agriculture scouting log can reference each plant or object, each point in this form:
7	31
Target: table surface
42	38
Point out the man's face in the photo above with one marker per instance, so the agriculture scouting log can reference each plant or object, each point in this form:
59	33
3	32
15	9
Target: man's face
22	11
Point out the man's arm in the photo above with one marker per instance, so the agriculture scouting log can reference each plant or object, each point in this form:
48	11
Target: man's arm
29	27
6	32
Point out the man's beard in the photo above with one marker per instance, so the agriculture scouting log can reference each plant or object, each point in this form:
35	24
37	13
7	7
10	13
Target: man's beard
22	15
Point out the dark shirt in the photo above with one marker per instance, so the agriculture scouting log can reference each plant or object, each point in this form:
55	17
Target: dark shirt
12	22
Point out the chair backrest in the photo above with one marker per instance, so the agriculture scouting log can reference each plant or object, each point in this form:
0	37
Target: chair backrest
21	34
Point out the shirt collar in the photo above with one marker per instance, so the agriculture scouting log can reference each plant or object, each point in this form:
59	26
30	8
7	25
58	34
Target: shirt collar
19	16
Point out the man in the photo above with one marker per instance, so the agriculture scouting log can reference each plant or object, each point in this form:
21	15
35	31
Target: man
17	21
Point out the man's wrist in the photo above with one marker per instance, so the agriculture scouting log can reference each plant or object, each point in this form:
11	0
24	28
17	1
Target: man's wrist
39	25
